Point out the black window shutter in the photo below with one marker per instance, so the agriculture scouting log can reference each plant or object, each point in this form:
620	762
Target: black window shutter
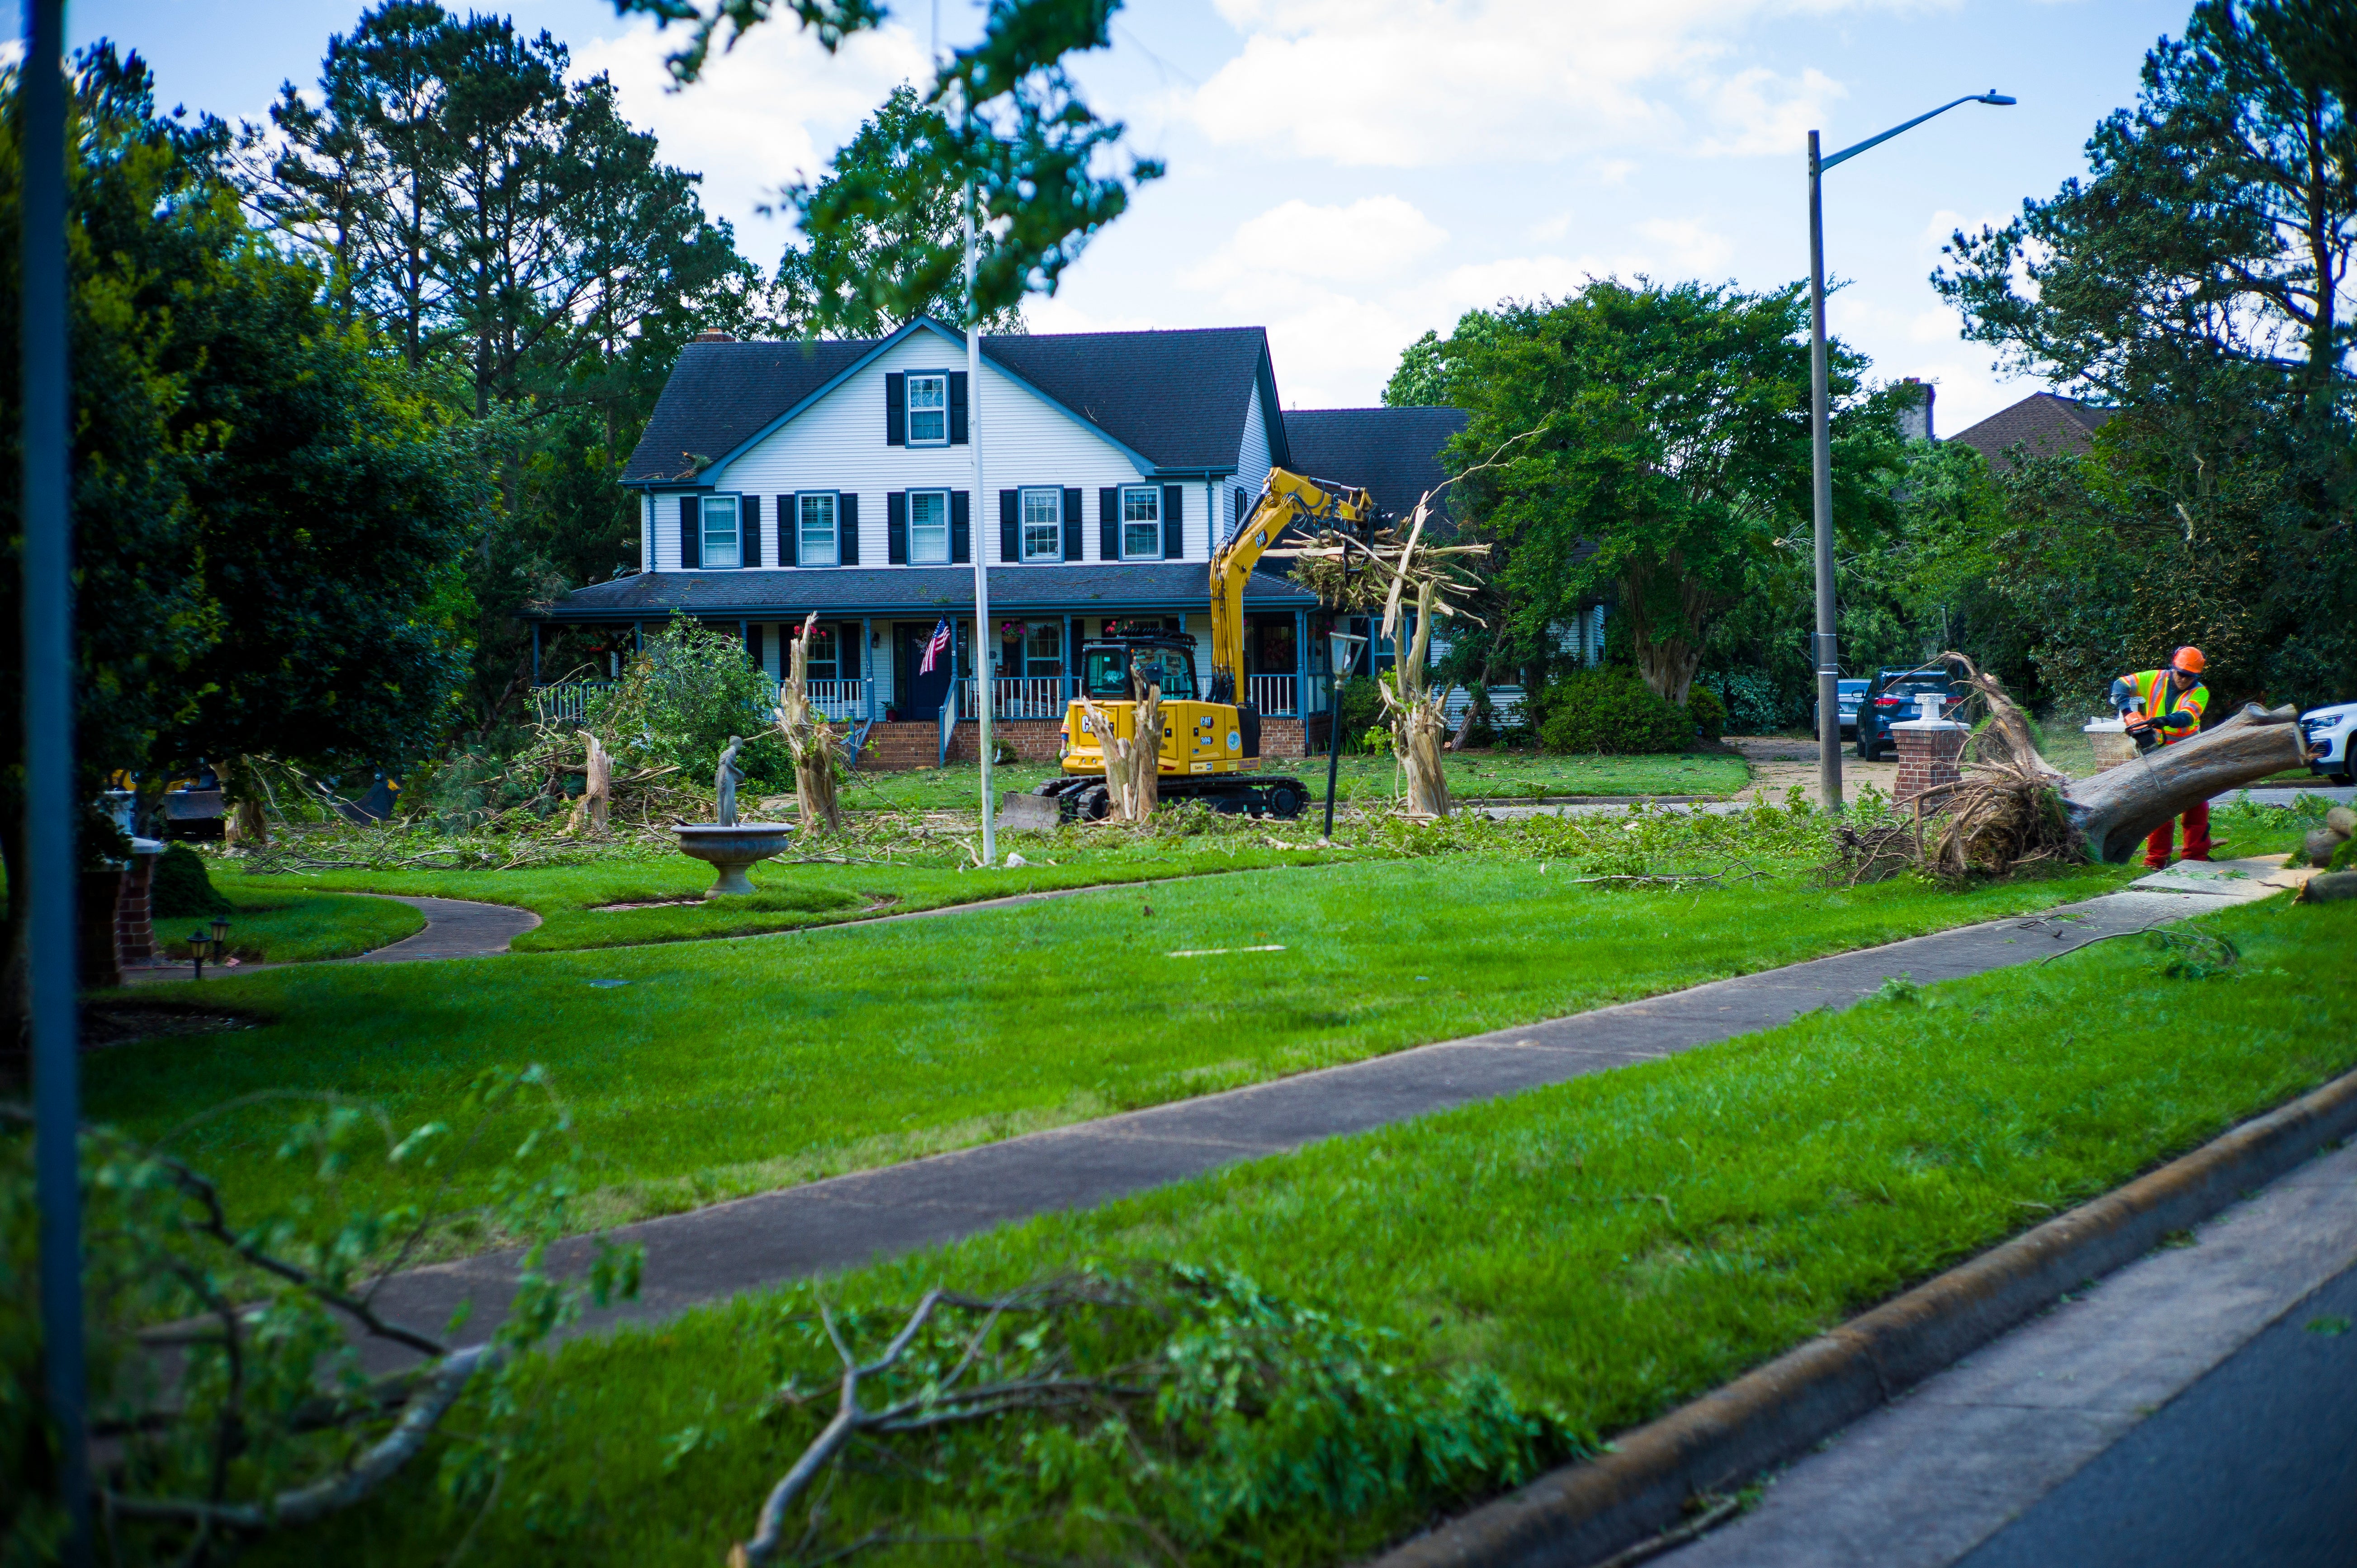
691	530
789	531
1109	524
1071	525
847	530
749	520
896	528
895	409
1010	525
753	643
1174	521
960	528
957	408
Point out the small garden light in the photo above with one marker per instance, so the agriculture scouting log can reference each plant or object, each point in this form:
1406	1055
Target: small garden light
197	941
220	937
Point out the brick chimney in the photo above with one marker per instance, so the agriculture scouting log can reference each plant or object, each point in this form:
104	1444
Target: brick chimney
712	337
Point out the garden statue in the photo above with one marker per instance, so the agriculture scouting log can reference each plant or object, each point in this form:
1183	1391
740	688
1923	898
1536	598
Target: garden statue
724	782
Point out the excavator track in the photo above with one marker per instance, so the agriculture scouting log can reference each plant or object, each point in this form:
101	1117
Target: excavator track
1085	798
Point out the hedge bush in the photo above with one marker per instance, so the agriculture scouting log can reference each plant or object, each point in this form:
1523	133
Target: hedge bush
1361	706
1612	710
180	886
1708	713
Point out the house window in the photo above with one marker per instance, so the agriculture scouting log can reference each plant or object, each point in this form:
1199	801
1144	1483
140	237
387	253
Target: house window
720	531
929	528
929	411
1043	525
816	521
1141	523
1043	647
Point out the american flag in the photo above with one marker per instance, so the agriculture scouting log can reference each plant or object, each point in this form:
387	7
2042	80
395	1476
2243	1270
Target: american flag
936	648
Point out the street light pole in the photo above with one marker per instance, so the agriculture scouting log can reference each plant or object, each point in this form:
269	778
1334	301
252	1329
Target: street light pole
1826	643
49	809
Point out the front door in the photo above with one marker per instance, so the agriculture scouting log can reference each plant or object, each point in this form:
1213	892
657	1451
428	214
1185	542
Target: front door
920	696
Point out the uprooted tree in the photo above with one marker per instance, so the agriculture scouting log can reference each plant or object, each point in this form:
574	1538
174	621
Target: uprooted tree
2013	808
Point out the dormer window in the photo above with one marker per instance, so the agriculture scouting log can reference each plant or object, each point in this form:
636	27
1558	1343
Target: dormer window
928	410
720	531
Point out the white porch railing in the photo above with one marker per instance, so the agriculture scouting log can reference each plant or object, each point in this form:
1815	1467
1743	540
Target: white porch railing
566	702
838	699
1016	697
1275	694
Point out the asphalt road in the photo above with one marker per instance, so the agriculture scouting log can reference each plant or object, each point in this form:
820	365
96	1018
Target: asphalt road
2256	1464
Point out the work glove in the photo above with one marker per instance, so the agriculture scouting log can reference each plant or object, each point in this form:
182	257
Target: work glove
2180	719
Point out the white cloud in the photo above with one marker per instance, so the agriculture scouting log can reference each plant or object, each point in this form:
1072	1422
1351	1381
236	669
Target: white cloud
774	107
1411	83
1375	237
1688	246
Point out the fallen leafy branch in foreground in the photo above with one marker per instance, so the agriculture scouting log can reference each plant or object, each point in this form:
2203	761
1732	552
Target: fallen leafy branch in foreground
228	1398
1130	1415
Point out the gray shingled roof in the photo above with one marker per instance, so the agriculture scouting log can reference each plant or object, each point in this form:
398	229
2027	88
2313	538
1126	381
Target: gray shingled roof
721	395
2047	424
1178	399
1391	452
790	593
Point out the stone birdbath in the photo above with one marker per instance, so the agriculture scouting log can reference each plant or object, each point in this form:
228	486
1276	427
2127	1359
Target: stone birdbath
729	846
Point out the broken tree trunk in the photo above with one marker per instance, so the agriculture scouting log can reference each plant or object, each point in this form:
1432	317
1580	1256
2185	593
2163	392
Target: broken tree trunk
1416	721
2117	808
810	738
597	789
1133	762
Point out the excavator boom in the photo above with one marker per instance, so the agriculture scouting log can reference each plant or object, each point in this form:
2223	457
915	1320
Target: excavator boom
1288	498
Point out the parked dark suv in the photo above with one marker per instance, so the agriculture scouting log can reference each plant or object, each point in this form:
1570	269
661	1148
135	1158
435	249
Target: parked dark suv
1892	700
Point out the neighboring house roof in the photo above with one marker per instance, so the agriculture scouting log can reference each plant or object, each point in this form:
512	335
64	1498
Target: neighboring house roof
1394	453
2046	424
1176	399
784	593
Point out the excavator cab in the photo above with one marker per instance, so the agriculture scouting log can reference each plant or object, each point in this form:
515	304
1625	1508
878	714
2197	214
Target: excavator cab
1166	661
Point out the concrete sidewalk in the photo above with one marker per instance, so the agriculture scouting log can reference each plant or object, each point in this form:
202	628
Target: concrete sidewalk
455	928
2183	1411
711	1253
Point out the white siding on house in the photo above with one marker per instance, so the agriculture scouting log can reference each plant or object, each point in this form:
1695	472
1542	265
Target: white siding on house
1252	464
838	445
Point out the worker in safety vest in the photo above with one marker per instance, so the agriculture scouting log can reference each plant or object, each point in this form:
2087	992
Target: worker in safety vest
2162	707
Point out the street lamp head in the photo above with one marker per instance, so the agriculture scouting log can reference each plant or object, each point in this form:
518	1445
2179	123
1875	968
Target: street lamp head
1994	96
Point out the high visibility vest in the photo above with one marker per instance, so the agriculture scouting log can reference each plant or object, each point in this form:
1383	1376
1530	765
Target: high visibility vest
2155	699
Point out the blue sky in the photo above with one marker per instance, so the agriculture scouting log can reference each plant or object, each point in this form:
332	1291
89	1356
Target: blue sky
1349	172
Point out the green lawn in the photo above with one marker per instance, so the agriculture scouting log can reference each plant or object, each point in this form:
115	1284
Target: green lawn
277	922
1475	775
723	1068
1609	1248
576	903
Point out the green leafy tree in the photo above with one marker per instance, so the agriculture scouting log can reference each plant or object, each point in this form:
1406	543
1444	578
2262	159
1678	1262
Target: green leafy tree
882	213
266	517
1651	443
2197	280
1003	116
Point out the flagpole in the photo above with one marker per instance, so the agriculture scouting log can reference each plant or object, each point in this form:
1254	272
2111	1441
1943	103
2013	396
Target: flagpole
977	537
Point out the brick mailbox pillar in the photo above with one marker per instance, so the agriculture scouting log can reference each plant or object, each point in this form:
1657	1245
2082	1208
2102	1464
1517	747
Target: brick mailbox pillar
1929	750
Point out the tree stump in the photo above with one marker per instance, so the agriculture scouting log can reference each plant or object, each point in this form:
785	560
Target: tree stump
810	738
1415	718
597	791
1133	761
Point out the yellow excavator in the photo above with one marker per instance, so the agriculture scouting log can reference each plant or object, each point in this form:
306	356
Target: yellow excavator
1211	742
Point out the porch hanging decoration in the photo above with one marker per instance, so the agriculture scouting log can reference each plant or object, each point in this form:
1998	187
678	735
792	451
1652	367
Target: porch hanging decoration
816	747
1132	762
1351	574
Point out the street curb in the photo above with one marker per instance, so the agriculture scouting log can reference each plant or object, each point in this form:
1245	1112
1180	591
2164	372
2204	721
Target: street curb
1587	1512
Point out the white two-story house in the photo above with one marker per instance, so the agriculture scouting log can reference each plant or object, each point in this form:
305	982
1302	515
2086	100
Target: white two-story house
779	479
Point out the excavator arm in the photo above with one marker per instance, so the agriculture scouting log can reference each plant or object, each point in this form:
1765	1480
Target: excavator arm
1286	498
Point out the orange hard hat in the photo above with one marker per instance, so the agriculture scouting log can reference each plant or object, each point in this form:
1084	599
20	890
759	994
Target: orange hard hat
2189	660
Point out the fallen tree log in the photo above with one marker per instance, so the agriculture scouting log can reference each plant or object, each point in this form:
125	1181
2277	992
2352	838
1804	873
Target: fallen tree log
2116	808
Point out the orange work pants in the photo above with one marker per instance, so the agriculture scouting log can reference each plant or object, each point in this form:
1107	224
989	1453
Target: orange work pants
2197	838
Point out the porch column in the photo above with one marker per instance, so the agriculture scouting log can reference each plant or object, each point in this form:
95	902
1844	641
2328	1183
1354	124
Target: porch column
867	663
1301	664
536	653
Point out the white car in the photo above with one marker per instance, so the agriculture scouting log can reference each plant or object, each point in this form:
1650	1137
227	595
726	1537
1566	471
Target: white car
2331	735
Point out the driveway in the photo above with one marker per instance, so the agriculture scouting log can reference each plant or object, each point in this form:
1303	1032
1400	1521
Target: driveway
1779	762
